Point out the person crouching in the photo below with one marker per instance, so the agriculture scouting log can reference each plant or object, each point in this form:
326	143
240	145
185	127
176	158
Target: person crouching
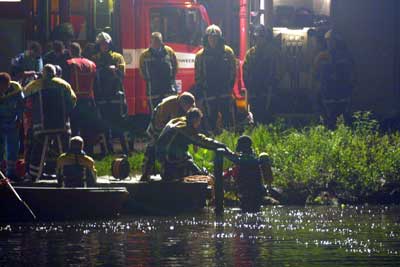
75	168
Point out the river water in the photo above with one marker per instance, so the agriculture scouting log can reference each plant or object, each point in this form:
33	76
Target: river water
277	236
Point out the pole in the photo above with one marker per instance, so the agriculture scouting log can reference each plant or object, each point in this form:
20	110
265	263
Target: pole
17	197
219	184
243	24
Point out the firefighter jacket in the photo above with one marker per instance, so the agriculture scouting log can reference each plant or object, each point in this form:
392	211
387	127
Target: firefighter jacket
11	106
50	102
168	109
76	169
215	71
260	69
82	75
175	138
109	85
159	69
335	72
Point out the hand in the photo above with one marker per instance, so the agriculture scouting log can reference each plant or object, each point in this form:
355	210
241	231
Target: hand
29	73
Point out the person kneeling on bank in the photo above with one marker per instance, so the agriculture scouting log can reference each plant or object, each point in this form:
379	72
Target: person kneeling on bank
75	168
173	144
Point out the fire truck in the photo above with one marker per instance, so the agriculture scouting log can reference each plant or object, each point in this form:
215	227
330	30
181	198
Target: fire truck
182	24
130	23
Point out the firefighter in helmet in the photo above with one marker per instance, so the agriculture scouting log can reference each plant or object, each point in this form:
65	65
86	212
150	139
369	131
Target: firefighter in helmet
260	72
82	75
109	91
158	66
51	101
173	145
170	108
11	109
215	73
334	70
74	168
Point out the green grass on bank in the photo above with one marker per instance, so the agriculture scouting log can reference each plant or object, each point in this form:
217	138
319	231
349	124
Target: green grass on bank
358	159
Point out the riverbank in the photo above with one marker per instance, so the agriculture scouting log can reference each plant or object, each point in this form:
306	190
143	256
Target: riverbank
356	163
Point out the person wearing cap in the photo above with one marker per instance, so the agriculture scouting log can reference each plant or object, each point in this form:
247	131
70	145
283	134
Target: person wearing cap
173	145
49	101
158	67
334	71
82	75
260	73
170	108
109	90
75	168
11	109
215	74
249	174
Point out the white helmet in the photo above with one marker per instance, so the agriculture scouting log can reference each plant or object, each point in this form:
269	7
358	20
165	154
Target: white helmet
103	37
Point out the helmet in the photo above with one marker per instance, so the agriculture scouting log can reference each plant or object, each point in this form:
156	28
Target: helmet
333	34
187	98
262	31
103	37
214	30
244	144
59	71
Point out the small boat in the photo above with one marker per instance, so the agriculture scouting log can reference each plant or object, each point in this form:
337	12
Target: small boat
164	198
55	203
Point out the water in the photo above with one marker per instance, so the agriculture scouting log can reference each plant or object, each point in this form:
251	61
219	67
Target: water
277	236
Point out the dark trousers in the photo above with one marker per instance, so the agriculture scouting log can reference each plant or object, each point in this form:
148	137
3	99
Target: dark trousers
218	114
85	122
333	109
9	145
113	124
172	171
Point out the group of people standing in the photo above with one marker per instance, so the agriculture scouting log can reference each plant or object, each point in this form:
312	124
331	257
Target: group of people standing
63	93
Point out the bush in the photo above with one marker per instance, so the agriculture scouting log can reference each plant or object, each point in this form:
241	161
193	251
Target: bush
354	161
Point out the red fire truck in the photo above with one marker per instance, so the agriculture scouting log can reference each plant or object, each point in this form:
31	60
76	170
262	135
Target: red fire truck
182	24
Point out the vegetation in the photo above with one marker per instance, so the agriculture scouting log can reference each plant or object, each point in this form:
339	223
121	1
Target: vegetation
355	162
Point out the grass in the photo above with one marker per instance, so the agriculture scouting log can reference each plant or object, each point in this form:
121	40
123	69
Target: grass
356	161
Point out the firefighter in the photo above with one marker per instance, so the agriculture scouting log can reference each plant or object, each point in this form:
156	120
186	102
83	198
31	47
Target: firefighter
82	75
58	56
51	100
334	70
26	66
170	108
260	72
109	90
74	168
250	173
215	73
158	67
11	109
174	141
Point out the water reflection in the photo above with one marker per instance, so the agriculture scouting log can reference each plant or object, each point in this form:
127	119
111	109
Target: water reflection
276	236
